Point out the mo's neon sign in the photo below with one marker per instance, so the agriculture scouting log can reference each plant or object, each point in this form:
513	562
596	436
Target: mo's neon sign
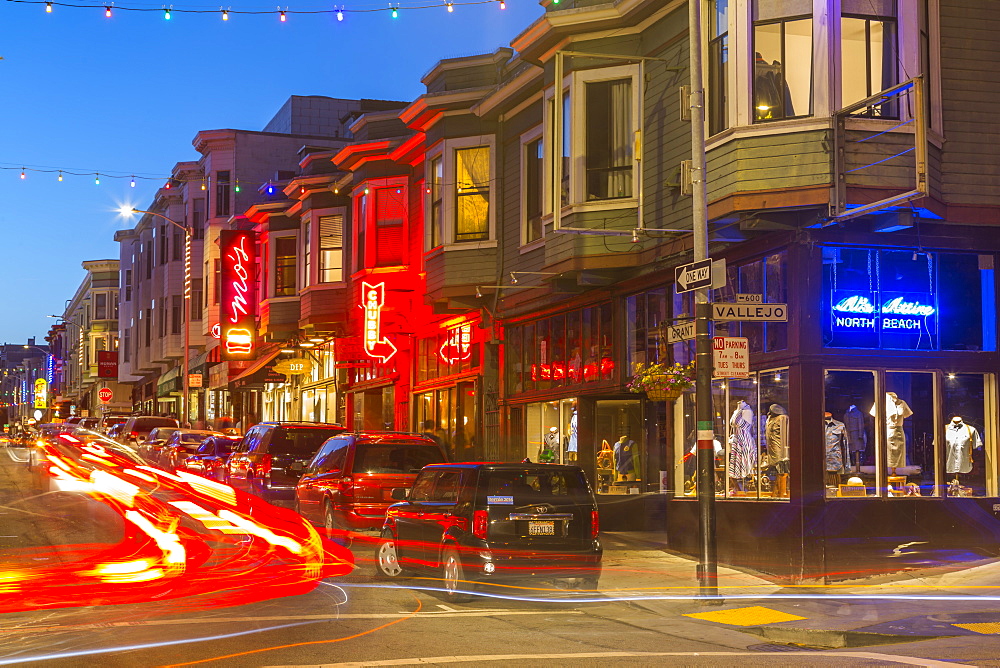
902	312
372	301
238	326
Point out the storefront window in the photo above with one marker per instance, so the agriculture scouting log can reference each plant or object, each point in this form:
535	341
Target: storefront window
644	313
849	441
909	433
453	351
907	300
965	454
765	277
752	438
618	431
449	416
551	431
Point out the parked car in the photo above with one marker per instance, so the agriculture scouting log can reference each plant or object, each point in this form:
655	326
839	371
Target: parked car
490	522
115	431
209	460
269	459
152	446
349	483
181	444
137	427
108	420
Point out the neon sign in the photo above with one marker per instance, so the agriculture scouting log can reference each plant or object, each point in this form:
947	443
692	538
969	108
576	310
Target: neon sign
898	312
457	346
238	326
372	301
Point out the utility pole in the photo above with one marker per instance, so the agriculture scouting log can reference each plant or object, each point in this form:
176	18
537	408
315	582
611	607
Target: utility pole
707	567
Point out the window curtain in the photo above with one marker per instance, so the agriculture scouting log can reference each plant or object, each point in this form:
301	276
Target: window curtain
620	175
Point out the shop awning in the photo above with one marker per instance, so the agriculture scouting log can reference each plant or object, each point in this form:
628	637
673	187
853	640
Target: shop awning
168	382
259	372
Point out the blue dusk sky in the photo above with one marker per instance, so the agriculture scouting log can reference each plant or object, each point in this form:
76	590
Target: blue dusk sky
126	95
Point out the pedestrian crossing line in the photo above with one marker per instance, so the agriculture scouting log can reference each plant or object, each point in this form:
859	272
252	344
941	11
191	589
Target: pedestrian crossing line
752	616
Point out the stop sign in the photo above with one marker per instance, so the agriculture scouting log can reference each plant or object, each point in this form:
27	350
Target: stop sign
105	394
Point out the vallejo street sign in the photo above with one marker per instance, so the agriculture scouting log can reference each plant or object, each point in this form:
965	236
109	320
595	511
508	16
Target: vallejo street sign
753	312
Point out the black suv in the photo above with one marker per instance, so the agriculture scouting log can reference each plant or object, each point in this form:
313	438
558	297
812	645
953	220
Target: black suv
479	522
271	456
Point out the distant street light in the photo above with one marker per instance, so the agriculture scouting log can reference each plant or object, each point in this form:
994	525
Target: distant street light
128	211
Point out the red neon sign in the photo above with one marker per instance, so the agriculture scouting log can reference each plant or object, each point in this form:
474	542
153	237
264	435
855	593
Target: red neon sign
457	346
238	326
372	301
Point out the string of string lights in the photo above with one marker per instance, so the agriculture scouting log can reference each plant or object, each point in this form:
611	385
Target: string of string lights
394	9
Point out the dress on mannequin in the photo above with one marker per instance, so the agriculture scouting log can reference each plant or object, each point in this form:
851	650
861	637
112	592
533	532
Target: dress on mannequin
776	436
896	410
743	453
961	439
571	443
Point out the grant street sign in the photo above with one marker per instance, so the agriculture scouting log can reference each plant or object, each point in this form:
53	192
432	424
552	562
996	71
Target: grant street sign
694	276
752	312
682	331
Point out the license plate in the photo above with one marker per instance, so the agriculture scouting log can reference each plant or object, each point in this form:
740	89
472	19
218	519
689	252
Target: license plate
541	528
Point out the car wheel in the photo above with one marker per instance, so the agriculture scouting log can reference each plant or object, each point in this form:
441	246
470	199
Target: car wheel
386	557
456	587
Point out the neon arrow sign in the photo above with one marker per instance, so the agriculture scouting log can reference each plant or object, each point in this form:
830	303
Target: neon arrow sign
372	301
457	346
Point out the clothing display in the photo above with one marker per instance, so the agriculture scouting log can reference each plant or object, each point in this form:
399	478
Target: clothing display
961	439
624	456
743	450
550	446
836	446
776	437
571	443
857	436
896	410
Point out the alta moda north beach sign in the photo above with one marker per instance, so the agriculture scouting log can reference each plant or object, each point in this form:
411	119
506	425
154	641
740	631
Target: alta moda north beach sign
908	312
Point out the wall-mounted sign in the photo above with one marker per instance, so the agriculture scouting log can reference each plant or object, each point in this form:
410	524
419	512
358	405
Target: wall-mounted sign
107	363
239	302
897	312
195	380
294	367
372	301
457	344
41	393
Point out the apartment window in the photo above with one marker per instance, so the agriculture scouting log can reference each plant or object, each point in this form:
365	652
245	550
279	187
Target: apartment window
149	326
114	305
164	314
533	178
472	194
284	266
222	202
362	218
718	62
178	238
868	53
331	249
150	247
164	246
307	254
390	214
126	345
196	296
216	281
782	78
437	214
128	285
610	135
198	218
566	144
101	306
176	313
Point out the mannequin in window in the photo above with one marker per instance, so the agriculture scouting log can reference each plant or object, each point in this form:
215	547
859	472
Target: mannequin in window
857	436
743	446
776	437
571	440
550	446
896	410
836	449
961	439
625	458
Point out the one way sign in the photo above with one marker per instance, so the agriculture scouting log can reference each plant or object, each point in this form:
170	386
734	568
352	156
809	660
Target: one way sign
693	276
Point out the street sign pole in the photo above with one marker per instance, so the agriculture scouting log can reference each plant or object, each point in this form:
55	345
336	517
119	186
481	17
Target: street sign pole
707	567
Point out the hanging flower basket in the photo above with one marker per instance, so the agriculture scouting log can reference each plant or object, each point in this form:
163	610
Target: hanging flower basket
662	382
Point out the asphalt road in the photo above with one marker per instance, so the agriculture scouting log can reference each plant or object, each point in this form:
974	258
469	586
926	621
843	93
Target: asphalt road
358	620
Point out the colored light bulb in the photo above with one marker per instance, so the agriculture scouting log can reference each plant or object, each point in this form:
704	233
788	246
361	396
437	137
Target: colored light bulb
283	19
225	15
22	172
503	5
395	13
48	7
97	179
107	11
451	7
132	182
60	176
166	14
237	186
340	15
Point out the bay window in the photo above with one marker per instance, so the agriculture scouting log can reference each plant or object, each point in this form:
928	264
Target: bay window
718	62
868	52
782	74
331	249
459	193
532	185
284	266
472	194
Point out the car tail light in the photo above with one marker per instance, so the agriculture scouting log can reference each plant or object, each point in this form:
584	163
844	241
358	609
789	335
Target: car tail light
595	524
265	466
480	523
134	434
347	487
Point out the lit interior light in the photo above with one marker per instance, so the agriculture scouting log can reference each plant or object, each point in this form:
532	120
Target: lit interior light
762	107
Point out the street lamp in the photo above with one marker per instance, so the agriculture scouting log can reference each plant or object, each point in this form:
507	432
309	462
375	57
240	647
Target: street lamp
186	389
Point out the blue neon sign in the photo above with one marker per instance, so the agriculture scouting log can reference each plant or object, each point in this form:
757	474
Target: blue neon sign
898	312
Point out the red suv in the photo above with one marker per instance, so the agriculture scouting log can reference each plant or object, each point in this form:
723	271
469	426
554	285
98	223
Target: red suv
349	483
